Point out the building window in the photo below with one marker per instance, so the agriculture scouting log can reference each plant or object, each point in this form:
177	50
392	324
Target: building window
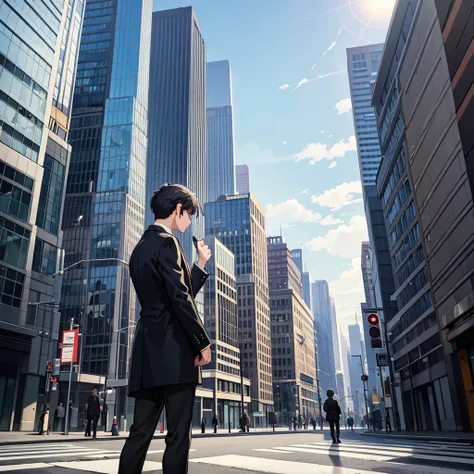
13	199
14	242
44	257
49	206
11	286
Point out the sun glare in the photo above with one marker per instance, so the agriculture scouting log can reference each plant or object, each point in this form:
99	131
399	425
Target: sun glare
372	13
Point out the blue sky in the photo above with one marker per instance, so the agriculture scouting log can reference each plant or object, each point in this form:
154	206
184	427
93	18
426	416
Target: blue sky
272	45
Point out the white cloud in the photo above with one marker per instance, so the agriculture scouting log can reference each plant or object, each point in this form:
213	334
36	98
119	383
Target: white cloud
330	136
340	31
348	293
303	81
305	191
340	196
344	241
288	213
285	142
333	164
344	106
320	151
329	220
284	86
331	46
322	131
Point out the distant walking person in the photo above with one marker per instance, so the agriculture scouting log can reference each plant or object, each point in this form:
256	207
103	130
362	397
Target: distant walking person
388	423
333	413
93	413
215	423
171	344
203	425
60	415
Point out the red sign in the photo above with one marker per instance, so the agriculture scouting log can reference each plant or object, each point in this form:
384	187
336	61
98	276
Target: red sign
69	346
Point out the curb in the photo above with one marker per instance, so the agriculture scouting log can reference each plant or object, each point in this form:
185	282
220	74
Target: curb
444	439
45	439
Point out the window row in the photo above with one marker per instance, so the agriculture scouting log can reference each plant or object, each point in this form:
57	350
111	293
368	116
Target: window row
397	171
402	225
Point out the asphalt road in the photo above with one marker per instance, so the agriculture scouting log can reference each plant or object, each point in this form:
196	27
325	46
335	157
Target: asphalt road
289	453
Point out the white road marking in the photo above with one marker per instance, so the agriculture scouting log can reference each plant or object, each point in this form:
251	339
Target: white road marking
250	463
107	466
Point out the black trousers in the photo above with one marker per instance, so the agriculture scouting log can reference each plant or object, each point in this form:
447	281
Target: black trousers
179	403
335	429
92	420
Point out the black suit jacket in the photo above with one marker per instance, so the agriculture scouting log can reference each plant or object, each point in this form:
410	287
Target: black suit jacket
169	334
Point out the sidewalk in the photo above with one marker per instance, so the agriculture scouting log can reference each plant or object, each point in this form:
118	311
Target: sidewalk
444	436
23	437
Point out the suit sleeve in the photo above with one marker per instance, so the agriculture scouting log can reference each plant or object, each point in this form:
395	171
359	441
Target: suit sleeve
180	296
198	278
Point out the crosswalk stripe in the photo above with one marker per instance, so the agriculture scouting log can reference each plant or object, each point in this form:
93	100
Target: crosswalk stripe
251	463
315	450
18	467
274	450
40	456
33	447
28	454
407	449
107	466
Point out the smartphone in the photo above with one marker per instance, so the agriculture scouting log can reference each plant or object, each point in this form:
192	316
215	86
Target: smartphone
195	242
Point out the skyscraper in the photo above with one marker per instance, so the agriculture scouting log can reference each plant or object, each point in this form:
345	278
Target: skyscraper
324	340
177	112
242	179
38	61
293	351
239	223
335	336
220	131
418	133
356	368
297	256
223	375
105	201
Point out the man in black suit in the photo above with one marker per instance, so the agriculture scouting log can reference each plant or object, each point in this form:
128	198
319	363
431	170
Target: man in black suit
171	344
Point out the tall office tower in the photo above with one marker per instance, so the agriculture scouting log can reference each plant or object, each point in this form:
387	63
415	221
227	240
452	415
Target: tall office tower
335	336
307	294
220	130
239	223
356	368
293	351
242	179
223	375
363	64
324	340
341	390
105	200
424	215
455	300
177	114
366	267
38	58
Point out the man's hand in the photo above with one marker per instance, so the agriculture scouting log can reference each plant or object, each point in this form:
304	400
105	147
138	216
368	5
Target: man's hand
204	253
204	358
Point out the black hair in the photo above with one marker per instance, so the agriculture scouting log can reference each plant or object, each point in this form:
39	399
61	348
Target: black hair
330	393
168	196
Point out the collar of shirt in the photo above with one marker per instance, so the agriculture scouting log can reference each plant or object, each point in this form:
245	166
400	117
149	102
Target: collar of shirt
167	229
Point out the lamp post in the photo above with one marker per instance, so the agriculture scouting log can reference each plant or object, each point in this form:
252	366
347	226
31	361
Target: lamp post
363	382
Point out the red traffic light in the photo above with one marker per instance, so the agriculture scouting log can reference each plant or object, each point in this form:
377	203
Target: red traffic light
49	366
373	319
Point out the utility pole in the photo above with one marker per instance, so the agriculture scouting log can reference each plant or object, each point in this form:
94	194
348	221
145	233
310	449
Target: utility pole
66	431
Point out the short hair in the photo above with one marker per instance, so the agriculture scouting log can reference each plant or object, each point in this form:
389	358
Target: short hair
168	196
330	393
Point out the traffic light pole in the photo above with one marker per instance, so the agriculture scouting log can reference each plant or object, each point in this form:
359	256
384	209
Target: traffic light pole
66	430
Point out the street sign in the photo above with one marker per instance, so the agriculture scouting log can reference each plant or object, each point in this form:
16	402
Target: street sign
69	349
382	360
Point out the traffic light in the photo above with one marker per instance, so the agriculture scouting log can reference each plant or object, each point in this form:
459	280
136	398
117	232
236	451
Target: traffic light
374	331
49	366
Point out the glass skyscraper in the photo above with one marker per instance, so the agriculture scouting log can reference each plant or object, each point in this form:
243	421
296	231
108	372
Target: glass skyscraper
38	57
239	223
105	202
220	131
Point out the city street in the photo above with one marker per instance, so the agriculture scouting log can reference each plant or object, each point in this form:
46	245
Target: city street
292	453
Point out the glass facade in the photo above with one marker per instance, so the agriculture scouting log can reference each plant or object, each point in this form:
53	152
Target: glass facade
363	64
220	131
239	223
105	201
